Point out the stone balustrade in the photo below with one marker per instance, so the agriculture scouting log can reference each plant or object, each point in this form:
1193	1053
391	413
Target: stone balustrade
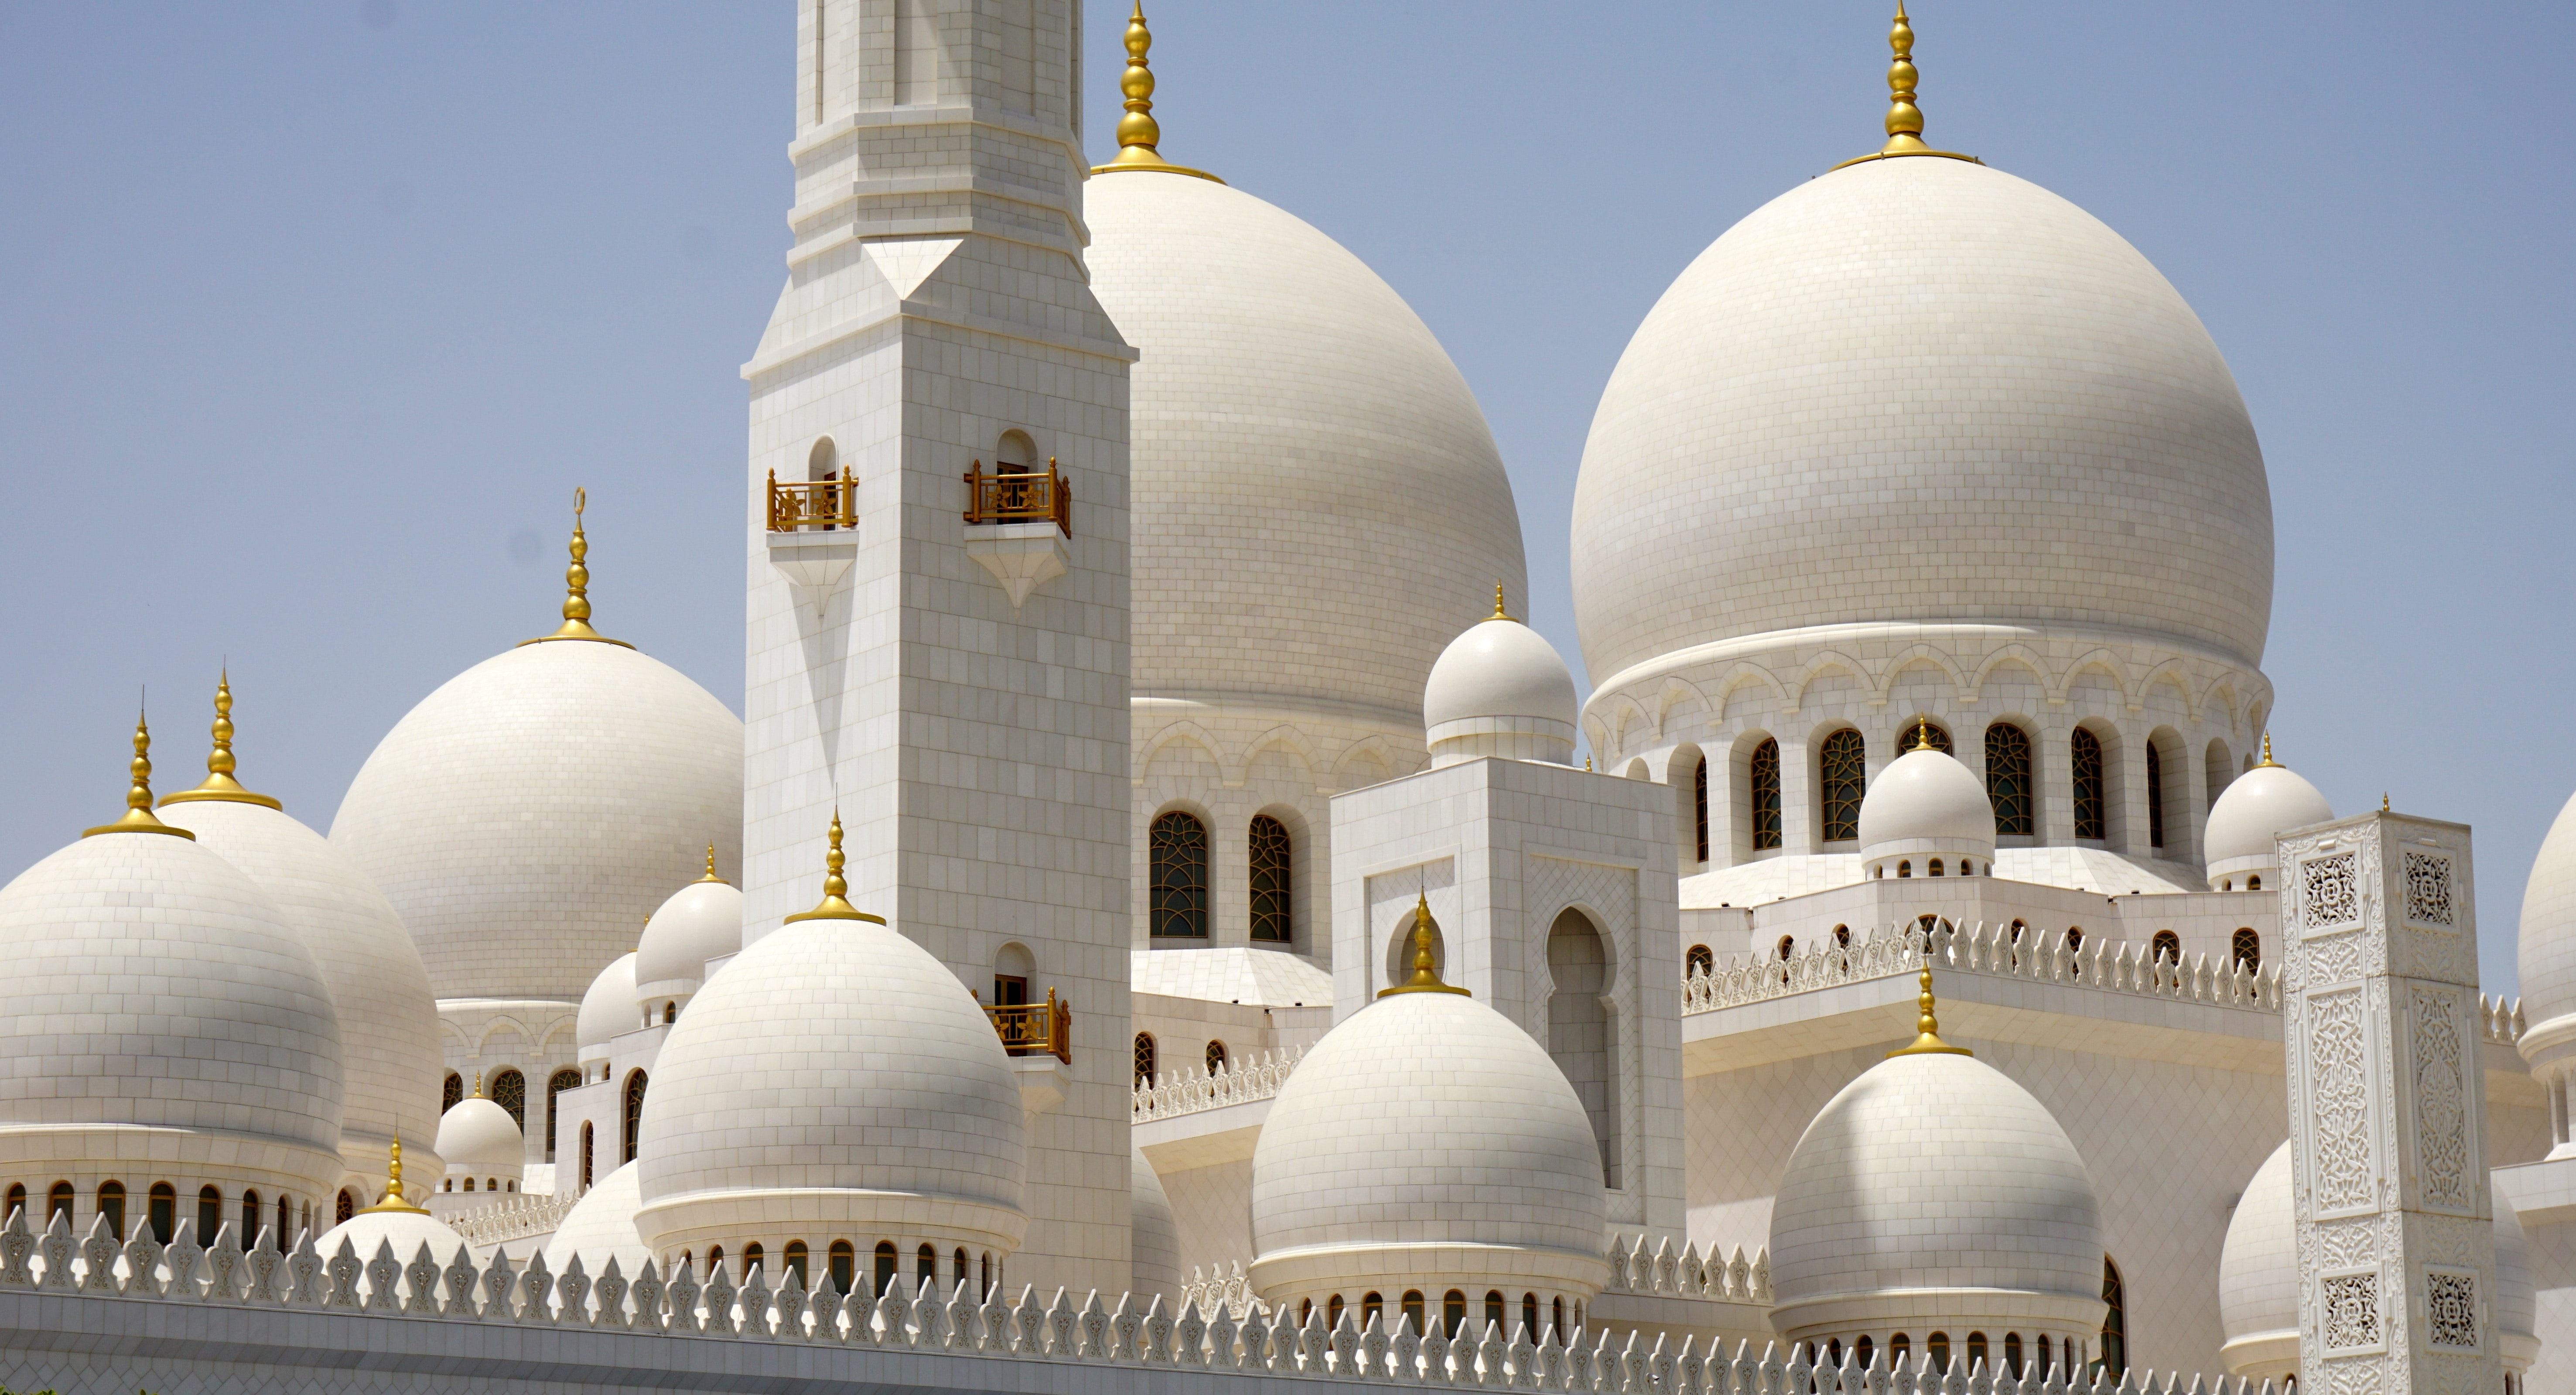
1190	1090
513	1218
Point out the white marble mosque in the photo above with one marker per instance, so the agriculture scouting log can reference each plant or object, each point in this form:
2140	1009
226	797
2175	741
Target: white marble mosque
1129	929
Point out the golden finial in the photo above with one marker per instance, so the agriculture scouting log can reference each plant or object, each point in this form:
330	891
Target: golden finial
1425	978
478	1084
1587	760
1904	119
835	904
1499	612
2267	752
1138	132
394	1199
1928	1041
711	865
220	784
138	796
1923	736
2383	801
576	606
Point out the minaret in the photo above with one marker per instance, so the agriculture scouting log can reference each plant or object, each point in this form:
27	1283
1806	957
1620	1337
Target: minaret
937	637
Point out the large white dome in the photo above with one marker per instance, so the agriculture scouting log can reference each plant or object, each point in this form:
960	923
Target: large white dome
159	1013
1926	804
2546	952
1934	1191
1316	502
391	1057
2251	812
601	1227
478	1136
1426	1140
834	1079
526	817
1919	389
1500	689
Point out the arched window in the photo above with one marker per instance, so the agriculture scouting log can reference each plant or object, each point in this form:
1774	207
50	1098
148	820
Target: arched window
111	1204
1333	1312
1582	1034
1842	937
1699	804
1788	945
2074	938
1180	908
285	1222
1215	1057
510	1091
1410	1314
452	1093
1916	731
1699	960
1904	867
1936	867
1842	771
17	1198
632	1132
2246	948
2166	946
2012	1354
1861	1349
1899	1347
556	1084
715	1260
1529	1315
1494	1308
1936	1348
984	1275
1763	783
343	1207
670	1013
249	1221
925	1270
2085	758
1144	1058
2155	797
885	1266
1976	1351
1372	1308
2254	882
957	1269
1270	885
1453	1313
841	1266
752	1258
162	1212
586	1156
795	1257
210	1214
2017	928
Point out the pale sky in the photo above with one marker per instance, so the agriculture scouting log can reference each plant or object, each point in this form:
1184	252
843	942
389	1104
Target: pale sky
315	314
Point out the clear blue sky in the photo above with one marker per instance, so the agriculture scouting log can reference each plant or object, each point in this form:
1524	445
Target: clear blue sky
314	314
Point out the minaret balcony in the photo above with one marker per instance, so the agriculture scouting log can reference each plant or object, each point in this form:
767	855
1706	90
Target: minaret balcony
813	534
1019	496
1035	1029
1017	521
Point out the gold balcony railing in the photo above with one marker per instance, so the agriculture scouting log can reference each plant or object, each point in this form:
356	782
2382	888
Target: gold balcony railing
1020	496
1036	1029
832	503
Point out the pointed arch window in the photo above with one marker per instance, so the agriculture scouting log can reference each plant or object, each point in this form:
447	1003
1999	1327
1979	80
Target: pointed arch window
1762	781
556	1084
452	1093
634	1115
1144	1058
586	1154
2155	798
1699	804
2245	947
1215	1057
2008	779
1271	853
1842	771
1700	960
2115	1322
2165	946
1180	905
2084	752
510	1091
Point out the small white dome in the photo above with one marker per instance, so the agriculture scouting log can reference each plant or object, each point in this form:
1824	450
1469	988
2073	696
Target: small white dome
1934	1191
2258	1276
1154	1238
1500	689
834	1079
2258	1280
479	1137
406	1229
526	817
2255	808
607	1010
1925	804
701	921
2546	953
391	1053
600	1226
203	1028
1426	1140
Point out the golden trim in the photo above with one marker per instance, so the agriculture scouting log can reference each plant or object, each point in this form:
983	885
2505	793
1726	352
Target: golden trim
220	784
1904	118
835	904
2267	753
1499	612
138	796
394	1200
1928	1027
1425	979
576	606
1138	132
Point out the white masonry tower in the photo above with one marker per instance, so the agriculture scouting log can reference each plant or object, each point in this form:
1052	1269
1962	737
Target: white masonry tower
2395	1228
945	660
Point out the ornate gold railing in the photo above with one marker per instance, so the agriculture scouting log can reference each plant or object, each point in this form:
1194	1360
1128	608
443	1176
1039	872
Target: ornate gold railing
1020	496
1036	1029
822	504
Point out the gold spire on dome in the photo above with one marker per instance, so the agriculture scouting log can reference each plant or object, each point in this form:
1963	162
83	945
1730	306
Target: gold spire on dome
1922	737
220	784
1138	132
2267	752
1499	612
1904	119
1425	978
711	861
393	1185
576	606
835	904
138	796
1928	1027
